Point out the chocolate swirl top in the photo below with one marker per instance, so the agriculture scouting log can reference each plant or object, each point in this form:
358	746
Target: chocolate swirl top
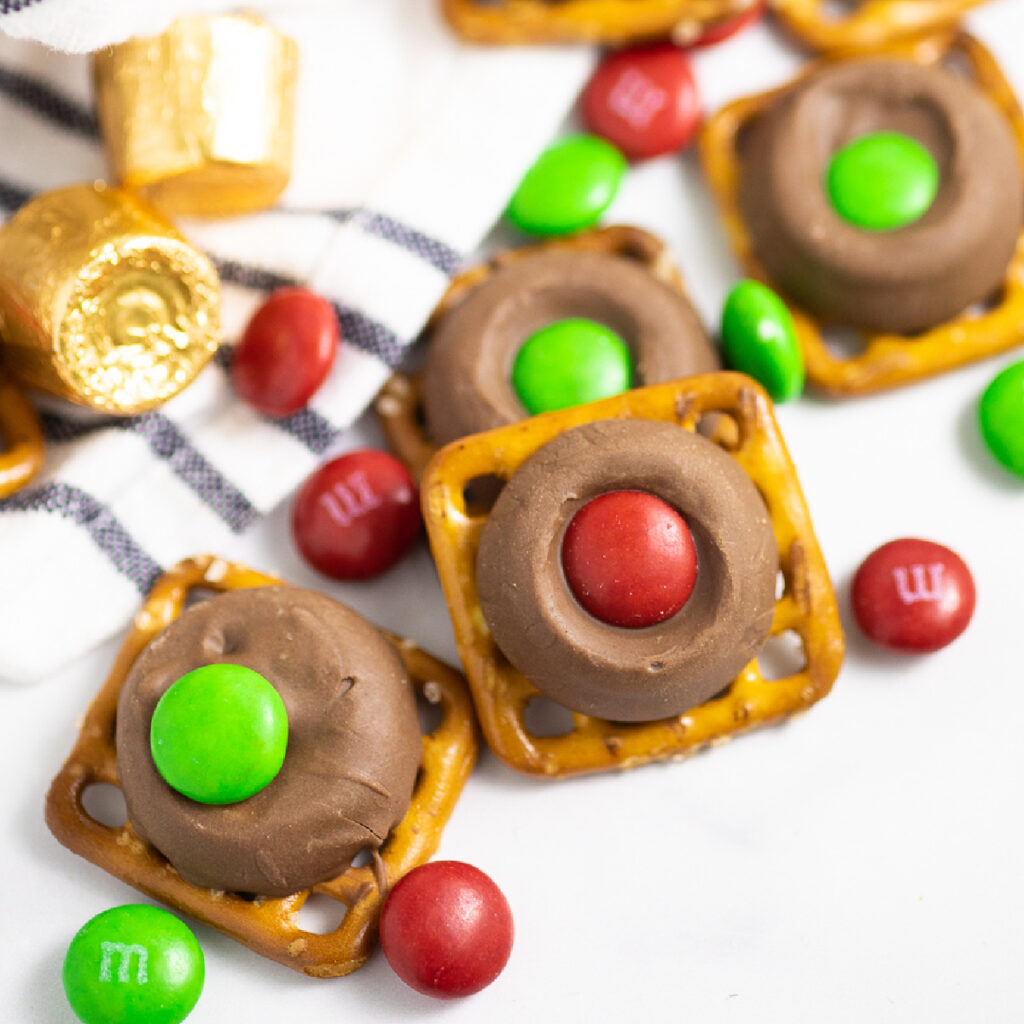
467	381
618	673
354	742
905	280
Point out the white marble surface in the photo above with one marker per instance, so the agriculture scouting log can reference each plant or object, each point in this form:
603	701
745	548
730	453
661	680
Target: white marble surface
861	863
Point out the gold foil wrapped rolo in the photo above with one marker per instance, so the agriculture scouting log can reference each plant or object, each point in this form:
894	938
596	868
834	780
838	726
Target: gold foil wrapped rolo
102	302
201	118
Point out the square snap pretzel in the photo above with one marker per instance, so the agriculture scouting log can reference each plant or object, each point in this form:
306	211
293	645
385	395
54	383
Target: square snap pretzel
398	406
888	360
268	926
610	22
806	605
21	439
872	23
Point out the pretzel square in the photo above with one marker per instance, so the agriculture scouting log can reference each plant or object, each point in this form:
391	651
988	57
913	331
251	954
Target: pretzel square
887	360
610	22
21	440
873	23
399	406
806	605
267	926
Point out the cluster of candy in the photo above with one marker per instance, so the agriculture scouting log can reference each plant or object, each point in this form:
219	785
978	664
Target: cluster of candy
628	557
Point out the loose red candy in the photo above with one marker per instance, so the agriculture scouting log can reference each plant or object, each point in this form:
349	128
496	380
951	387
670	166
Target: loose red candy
446	929
356	516
629	559
286	352
730	26
913	595
645	101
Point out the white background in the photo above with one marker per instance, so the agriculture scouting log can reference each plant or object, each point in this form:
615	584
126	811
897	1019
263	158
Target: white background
861	863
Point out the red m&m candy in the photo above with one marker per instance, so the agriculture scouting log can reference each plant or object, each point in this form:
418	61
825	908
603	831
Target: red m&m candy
913	595
629	559
357	515
645	101
446	929
286	352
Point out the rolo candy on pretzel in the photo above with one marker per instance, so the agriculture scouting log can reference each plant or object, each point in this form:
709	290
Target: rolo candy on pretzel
893	357
269	926
609	22
21	440
805	605
626	273
872	23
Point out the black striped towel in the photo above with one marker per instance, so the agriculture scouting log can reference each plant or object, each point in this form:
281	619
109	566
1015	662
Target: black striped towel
408	145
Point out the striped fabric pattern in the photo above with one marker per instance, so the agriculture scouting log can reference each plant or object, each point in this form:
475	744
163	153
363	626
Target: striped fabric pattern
121	498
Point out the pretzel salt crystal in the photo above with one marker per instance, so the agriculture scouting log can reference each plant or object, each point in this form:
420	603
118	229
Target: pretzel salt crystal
398	406
268	926
21	440
873	23
807	605
888	360
609	22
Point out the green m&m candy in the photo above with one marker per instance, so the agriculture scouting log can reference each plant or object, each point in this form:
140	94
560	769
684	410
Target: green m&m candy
219	734
568	363
133	965
569	187
1001	415
759	339
882	181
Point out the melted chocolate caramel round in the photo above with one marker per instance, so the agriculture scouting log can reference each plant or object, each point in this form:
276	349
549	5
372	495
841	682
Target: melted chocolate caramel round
467	385
623	674
354	742
904	280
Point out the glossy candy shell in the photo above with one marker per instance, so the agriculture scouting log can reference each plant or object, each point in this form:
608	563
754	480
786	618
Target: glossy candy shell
569	186
644	101
286	352
913	595
133	964
446	929
357	515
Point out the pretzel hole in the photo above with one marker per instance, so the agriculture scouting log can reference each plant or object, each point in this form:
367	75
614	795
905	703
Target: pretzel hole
430	711
722	428
845	343
197	595
320	914
104	803
979	309
837	10
780	585
782	656
544	717
481	492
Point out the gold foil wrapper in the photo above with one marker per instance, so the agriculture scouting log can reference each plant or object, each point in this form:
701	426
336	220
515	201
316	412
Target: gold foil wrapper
201	118
102	302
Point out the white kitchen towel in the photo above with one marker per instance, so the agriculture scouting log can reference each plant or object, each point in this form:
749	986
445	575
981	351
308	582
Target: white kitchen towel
408	146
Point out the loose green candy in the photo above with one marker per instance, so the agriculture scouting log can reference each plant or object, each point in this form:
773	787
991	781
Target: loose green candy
568	363
882	181
219	734
1001	414
569	187
133	965
759	339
